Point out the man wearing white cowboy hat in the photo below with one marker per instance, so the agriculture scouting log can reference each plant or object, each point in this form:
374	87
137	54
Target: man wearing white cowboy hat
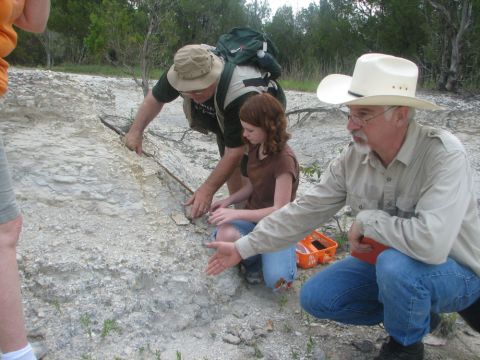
411	189
195	75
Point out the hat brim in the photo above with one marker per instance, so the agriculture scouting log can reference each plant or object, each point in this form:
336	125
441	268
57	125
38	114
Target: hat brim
199	83
333	89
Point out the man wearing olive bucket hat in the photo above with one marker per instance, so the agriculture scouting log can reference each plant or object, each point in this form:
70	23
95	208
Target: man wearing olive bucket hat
195	76
411	189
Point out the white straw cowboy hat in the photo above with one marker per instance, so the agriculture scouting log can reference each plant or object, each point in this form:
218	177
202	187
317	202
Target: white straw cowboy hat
377	79
194	68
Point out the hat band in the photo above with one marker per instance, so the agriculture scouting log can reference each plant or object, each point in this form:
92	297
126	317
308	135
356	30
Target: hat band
354	94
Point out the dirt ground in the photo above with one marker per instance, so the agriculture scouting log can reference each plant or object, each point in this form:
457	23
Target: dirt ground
111	268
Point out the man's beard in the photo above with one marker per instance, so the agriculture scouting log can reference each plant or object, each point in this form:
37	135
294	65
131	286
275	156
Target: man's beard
363	147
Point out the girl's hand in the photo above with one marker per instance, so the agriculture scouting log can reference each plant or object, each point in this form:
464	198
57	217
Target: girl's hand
220	204
223	215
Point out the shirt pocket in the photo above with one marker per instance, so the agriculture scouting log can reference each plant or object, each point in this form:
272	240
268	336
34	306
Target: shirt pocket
406	207
358	203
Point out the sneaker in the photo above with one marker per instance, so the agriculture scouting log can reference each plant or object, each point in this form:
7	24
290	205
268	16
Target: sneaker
39	349
471	315
254	277
392	350
435	320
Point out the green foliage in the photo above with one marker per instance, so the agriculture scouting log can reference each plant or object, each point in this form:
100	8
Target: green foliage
178	355
325	37
299	85
312	171
86	323
56	305
29	51
310	345
202	21
257	13
258	353
447	325
115	31
287	327
110	325
295	355
282	302
342	236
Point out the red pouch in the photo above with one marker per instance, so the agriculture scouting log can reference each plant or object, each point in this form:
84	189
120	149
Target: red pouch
371	256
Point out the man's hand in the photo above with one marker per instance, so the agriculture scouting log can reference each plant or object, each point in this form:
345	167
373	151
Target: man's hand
222	216
355	235
200	201
134	140
226	256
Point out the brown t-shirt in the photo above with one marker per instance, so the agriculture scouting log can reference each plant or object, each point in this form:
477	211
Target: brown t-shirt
263	175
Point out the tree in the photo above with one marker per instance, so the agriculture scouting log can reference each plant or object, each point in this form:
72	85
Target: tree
284	32
456	19
202	21
394	27
258	12
70	19
330	35
126	33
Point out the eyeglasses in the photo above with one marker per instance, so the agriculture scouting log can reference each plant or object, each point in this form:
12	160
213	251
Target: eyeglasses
362	121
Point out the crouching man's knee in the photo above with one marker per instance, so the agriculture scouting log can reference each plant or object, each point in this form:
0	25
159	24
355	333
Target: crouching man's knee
311	300
394	267
9	233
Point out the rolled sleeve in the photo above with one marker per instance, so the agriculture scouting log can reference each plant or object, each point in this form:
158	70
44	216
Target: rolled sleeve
244	247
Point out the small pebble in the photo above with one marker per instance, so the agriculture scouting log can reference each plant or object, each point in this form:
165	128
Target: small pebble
231	339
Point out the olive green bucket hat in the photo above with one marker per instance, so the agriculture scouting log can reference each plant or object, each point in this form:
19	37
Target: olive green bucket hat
194	68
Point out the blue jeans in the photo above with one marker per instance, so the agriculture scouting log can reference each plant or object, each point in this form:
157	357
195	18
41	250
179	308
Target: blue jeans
398	290
276	265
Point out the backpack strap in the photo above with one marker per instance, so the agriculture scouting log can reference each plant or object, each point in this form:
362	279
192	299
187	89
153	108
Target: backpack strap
224	83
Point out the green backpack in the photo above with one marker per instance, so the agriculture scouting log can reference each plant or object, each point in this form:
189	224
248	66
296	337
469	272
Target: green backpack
244	46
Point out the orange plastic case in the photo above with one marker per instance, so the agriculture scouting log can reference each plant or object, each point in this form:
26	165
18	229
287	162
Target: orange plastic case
371	256
314	249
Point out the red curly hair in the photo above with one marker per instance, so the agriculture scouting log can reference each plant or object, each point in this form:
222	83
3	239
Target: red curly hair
266	112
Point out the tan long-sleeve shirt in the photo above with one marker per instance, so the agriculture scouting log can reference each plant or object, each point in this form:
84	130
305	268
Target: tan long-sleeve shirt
423	204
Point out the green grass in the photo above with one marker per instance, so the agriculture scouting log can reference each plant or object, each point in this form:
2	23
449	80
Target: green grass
306	85
86	323
110	325
114	71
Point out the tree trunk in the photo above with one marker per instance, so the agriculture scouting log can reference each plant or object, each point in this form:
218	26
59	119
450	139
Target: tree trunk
144	61
457	42
46	41
457	20
442	79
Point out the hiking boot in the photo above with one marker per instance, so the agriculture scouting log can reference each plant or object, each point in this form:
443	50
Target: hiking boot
392	350
471	315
